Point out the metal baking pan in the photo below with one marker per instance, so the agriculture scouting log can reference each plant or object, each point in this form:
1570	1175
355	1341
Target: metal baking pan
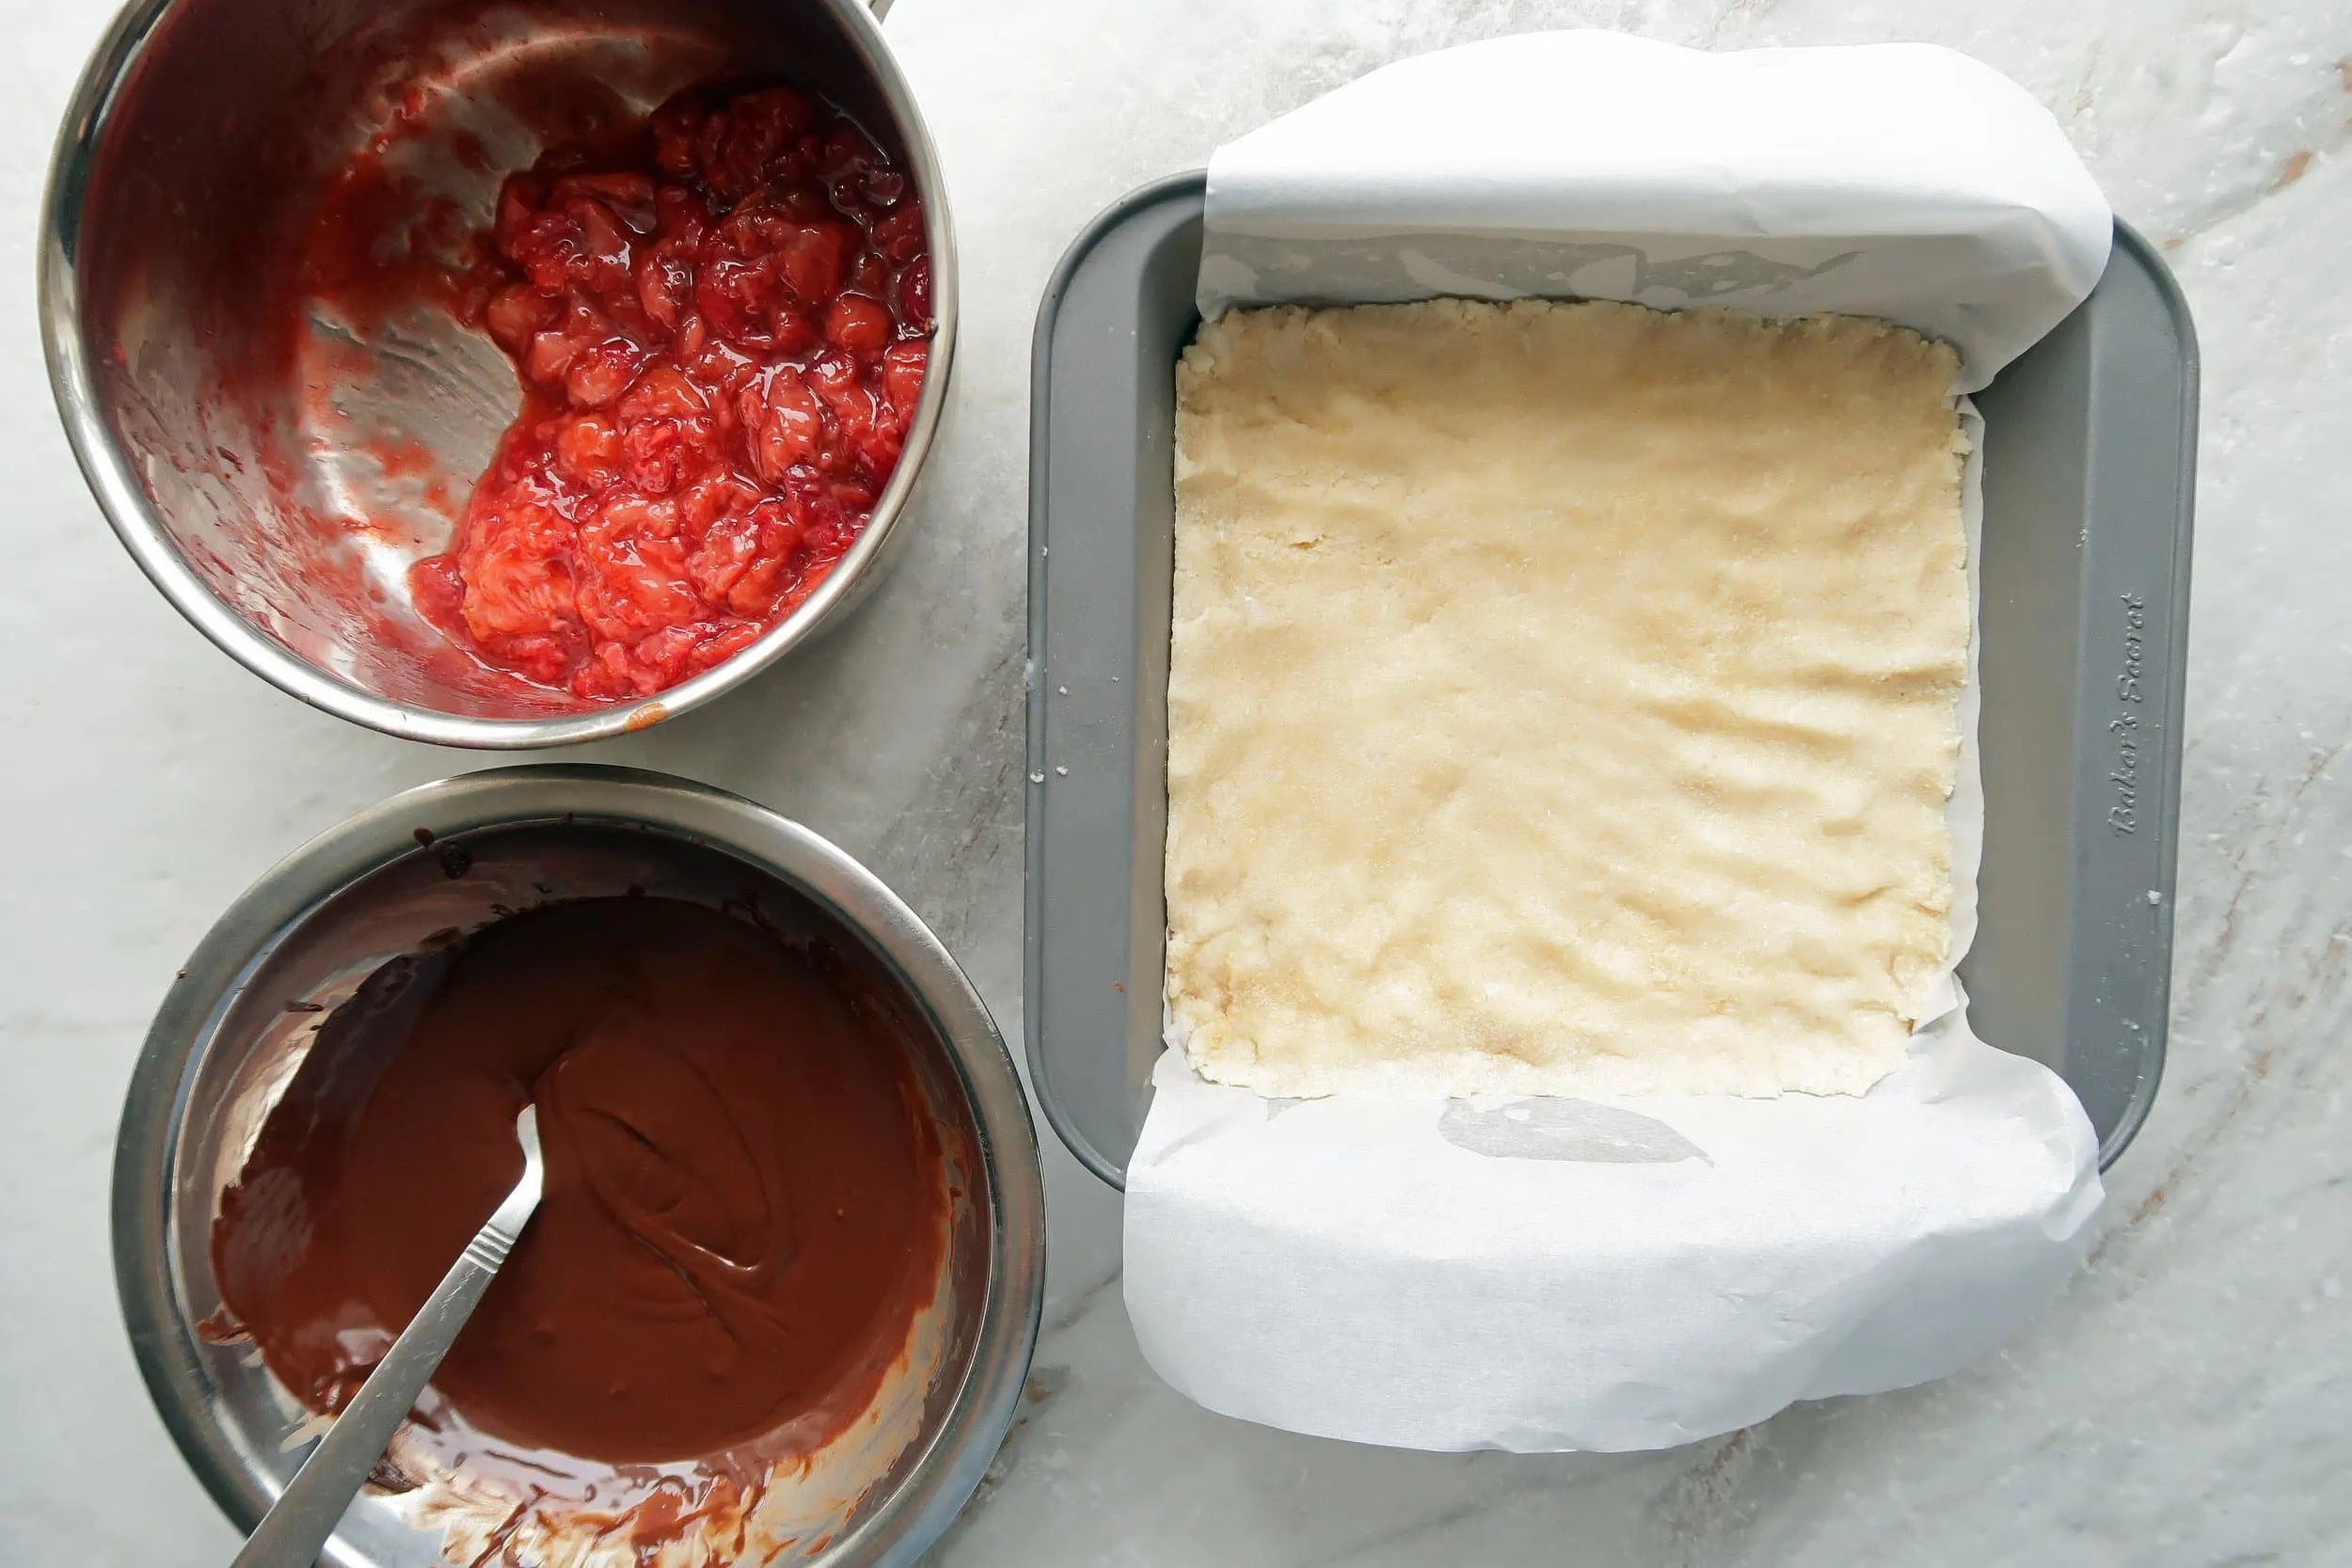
2088	470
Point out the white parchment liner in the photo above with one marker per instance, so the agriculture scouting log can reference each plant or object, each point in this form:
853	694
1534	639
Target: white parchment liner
1628	1273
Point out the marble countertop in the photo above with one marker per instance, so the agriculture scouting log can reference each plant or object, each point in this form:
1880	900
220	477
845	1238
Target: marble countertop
2184	1404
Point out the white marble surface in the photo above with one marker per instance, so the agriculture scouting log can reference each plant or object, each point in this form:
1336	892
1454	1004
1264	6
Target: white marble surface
2184	1404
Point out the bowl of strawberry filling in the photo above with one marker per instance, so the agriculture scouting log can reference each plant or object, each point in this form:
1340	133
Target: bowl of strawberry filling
502	377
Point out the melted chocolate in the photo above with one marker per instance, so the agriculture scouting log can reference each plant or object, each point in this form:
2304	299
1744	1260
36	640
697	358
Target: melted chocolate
745	1200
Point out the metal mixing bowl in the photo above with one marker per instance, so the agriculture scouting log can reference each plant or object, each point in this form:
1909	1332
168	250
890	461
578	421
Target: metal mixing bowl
277	485
321	921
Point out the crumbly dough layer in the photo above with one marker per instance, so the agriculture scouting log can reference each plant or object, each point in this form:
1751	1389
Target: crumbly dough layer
1561	699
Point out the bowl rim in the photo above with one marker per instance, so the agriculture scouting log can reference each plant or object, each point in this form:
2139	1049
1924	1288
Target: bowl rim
131	513
955	1455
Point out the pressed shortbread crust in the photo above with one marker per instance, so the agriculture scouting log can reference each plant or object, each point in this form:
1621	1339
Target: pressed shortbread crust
1561	699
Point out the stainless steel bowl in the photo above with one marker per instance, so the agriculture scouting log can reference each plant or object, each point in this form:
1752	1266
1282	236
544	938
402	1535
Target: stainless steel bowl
277	495
315	926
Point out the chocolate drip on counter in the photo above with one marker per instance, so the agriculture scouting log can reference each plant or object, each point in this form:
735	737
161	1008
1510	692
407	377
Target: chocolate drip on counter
744	1195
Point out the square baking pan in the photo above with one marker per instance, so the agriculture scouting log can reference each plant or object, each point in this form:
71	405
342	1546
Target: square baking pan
2089	479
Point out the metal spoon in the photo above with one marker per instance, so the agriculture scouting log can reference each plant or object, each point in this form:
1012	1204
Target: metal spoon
297	1527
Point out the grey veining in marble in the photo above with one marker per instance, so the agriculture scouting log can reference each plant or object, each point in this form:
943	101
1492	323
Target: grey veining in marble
2184	1404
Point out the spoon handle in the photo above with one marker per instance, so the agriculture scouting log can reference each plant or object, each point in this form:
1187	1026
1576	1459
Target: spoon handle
299	1523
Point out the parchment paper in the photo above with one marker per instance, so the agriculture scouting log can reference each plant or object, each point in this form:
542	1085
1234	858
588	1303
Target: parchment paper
1901	180
1629	1272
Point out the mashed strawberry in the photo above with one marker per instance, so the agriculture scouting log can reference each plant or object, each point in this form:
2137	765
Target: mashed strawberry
720	339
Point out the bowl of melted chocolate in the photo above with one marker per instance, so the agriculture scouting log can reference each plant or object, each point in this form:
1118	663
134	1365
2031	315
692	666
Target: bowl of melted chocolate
780	1296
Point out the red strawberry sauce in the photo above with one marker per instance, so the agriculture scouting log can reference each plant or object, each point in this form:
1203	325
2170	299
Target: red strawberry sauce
721	337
